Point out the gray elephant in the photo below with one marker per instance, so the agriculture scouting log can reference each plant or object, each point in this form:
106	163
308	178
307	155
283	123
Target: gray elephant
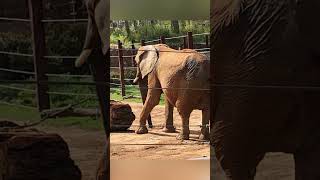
183	77
266	55
97	39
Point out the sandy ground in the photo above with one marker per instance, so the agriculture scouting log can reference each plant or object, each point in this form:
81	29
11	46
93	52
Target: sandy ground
86	148
170	147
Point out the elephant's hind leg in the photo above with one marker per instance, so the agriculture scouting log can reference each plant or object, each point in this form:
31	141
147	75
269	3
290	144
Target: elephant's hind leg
169	128
185	115
152	100
205	125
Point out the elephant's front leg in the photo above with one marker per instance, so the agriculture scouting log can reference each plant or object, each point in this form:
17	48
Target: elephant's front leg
168	128
152	100
205	125
143	86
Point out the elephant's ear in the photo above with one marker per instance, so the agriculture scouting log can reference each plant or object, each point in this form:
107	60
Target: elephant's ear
147	58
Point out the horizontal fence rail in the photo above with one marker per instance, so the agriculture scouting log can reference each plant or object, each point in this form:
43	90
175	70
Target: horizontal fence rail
14	19
71	94
60	57
18	88
17	71
16	54
63	20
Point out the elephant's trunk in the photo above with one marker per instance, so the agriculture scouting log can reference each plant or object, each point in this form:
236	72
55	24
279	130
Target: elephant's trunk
138	76
92	36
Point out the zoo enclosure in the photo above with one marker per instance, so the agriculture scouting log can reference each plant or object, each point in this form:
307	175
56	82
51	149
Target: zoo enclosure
40	59
127	62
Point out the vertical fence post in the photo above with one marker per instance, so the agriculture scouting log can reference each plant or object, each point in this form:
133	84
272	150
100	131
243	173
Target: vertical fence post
143	42
190	40
207	41
162	40
185	46
121	70
40	63
133	49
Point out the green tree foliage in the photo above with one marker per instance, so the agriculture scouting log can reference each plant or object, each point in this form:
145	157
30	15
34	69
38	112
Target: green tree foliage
153	29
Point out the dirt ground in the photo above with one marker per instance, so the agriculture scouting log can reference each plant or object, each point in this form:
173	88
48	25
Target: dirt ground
86	147
169	148
275	166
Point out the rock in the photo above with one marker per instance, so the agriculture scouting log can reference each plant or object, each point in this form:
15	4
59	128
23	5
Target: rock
28	155
121	116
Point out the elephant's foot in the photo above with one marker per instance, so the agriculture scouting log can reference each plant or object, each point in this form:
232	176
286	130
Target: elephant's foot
142	130
205	135
182	136
169	129
150	125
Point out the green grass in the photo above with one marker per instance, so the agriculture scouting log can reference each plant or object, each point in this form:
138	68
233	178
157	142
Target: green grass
132	94
22	116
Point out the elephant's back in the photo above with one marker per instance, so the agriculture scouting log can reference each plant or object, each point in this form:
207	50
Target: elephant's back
197	67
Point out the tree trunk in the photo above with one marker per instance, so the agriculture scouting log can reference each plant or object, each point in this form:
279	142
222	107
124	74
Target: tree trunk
175	26
135	24
127	27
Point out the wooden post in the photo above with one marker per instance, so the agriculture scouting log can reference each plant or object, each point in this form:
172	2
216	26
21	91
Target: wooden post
40	63
162	40
190	40
185	46
143	42
121	70
133	49
207	41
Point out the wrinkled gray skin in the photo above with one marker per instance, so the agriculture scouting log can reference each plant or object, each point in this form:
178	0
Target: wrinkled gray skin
266	42
97	29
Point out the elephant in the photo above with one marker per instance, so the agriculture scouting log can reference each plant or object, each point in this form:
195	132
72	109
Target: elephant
183	76
266	67
97	40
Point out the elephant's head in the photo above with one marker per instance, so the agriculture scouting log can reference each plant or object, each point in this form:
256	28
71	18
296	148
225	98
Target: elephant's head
146	60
